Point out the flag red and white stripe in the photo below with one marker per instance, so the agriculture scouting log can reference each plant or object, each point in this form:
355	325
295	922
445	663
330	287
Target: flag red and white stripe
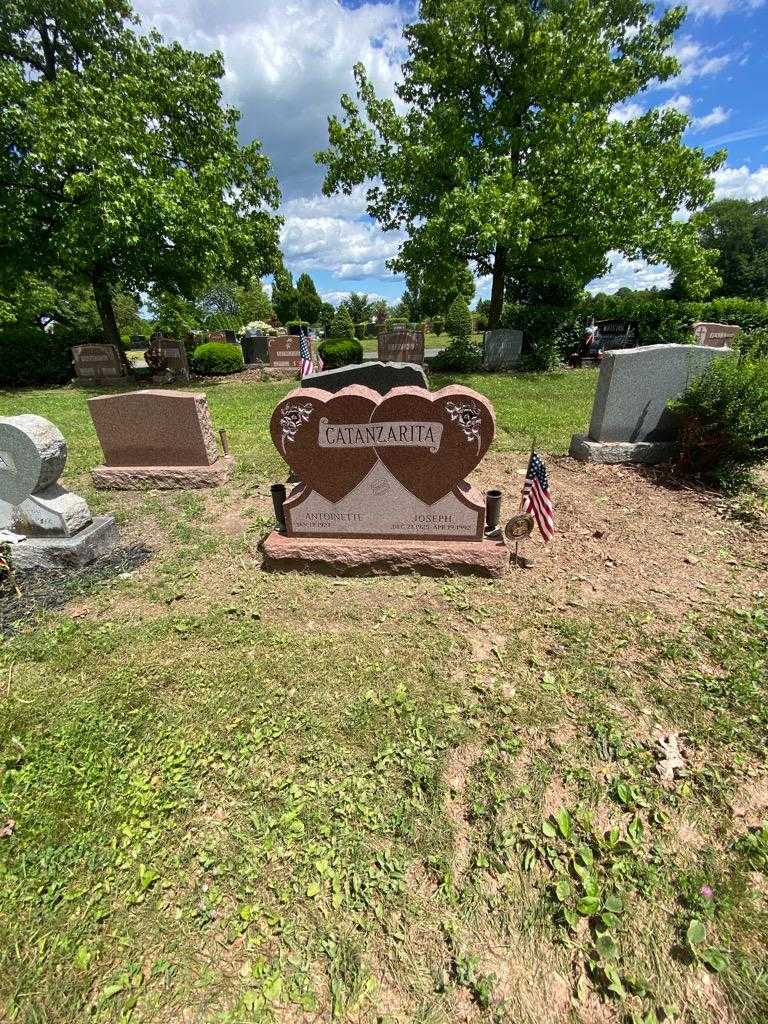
536	497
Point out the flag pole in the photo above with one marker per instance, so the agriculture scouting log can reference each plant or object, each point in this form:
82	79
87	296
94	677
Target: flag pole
522	492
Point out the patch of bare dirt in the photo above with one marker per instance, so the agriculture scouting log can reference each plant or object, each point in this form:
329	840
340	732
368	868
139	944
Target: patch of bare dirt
630	535
750	805
457	767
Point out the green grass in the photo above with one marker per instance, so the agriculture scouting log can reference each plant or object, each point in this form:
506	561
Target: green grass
244	797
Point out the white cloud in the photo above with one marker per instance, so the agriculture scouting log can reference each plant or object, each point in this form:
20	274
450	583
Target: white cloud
335	234
741	183
717	8
336	297
287	63
682	104
716	116
696	61
624	112
626	273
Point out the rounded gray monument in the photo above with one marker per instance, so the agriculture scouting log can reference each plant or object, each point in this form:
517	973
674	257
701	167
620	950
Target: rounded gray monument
33	454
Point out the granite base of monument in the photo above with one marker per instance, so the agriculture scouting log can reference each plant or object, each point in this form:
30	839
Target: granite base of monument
353	556
646	453
97	540
162	478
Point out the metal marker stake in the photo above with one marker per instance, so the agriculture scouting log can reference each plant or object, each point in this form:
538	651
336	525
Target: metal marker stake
224	441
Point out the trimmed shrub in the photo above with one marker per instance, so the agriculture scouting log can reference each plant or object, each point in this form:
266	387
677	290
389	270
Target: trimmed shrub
723	417
392	320
216	358
295	327
438	324
458	357
341	325
458	323
31	356
340	352
360	331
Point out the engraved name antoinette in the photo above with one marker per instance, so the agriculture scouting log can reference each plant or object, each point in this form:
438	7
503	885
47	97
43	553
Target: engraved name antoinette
410	434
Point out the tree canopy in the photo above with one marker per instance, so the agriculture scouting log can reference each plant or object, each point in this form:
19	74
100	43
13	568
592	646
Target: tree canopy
119	165
509	153
736	231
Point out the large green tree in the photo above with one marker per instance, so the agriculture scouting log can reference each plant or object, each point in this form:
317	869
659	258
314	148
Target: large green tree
736	232
508	153
430	291
309	303
119	165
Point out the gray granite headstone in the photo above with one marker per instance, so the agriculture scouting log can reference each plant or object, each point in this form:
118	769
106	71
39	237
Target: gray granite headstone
630	420
46	524
255	348
378	376
502	348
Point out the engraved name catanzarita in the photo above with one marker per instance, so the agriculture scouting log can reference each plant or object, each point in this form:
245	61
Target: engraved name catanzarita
396	434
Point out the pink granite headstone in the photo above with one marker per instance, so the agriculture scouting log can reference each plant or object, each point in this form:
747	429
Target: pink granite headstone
156	438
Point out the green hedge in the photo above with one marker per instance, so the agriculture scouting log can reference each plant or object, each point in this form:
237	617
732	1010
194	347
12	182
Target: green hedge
337	352
724	419
360	331
31	356
216	358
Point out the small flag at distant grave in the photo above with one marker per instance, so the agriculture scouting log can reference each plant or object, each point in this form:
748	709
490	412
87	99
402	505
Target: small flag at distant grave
536	497
305	351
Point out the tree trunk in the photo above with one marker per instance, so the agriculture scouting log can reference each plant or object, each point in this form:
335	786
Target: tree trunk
497	289
103	297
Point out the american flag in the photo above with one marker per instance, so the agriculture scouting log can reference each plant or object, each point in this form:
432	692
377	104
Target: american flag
306	345
536	497
305	350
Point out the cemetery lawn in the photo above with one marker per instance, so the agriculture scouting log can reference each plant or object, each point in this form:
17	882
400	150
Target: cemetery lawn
239	796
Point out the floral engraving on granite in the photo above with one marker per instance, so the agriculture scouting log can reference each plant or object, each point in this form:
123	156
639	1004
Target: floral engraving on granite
467	415
291	419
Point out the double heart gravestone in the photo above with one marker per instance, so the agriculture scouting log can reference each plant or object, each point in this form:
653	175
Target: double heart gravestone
392	466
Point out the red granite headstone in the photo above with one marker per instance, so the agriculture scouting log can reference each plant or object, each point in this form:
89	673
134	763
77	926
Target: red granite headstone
384	467
284	352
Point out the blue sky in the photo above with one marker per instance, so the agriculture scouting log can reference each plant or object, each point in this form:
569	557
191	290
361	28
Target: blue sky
288	61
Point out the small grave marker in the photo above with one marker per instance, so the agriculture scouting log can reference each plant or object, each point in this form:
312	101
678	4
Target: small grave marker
715	335
401	345
99	362
502	348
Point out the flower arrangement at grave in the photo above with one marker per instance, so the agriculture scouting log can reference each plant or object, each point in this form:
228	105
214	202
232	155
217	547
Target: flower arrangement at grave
260	327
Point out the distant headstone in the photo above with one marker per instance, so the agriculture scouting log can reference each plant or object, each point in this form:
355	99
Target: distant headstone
630	420
174	354
502	348
255	348
47	525
284	352
715	335
226	336
379	377
99	362
401	346
156	438
617	334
